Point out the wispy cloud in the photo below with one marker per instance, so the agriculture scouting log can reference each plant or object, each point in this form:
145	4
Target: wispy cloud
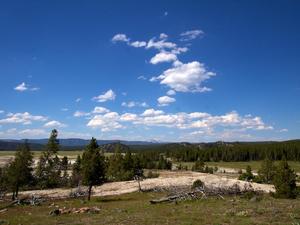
190	35
54	124
21	87
24	87
131	104
120	37
142	77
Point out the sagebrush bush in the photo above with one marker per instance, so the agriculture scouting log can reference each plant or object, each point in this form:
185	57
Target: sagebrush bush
197	184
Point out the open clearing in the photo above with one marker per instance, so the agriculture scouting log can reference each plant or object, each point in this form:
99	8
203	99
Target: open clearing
255	165
135	209
7	156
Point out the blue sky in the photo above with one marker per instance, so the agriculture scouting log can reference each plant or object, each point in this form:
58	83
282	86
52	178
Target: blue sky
168	71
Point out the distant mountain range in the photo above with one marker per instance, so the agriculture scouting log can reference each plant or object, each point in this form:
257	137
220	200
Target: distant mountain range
66	144
108	145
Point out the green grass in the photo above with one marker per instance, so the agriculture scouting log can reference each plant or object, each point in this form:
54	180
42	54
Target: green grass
135	209
255	165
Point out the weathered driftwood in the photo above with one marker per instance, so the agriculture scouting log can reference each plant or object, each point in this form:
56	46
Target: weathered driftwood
183	196
25	200
203	193
9	205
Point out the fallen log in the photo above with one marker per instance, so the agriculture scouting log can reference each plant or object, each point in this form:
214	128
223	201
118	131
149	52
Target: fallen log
203	192
182	196
9	205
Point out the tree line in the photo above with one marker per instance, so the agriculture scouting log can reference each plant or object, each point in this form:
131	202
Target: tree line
232	152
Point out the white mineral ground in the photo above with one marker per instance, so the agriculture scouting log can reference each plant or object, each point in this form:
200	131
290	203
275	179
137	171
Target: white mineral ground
166	179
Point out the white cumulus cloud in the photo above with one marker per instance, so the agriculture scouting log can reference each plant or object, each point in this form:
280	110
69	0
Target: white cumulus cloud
99	110
23	118
109	95
152	112
106	122
163	57
165	100
186	77
171	92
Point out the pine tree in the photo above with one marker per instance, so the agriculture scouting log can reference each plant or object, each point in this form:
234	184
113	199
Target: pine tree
138	173
76	172
64	169
3	181
19	171
266	172
48	170
198	166
93	166
116	166
285	181
248	176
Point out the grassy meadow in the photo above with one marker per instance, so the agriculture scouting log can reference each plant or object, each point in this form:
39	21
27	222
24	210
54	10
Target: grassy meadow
255	165
135	208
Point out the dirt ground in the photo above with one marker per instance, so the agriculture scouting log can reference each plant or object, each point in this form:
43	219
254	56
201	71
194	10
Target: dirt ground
165	180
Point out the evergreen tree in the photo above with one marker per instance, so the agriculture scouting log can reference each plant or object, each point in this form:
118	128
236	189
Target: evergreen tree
266	172
248	176
285	181
116	170
64	169
164	164
76	172
138	173
93	166
19	171
128	161
48	170
198	166
3	180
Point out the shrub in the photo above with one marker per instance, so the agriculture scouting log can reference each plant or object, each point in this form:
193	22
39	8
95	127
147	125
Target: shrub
266	172
209	170
216	169
197	184
248	175
285	181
